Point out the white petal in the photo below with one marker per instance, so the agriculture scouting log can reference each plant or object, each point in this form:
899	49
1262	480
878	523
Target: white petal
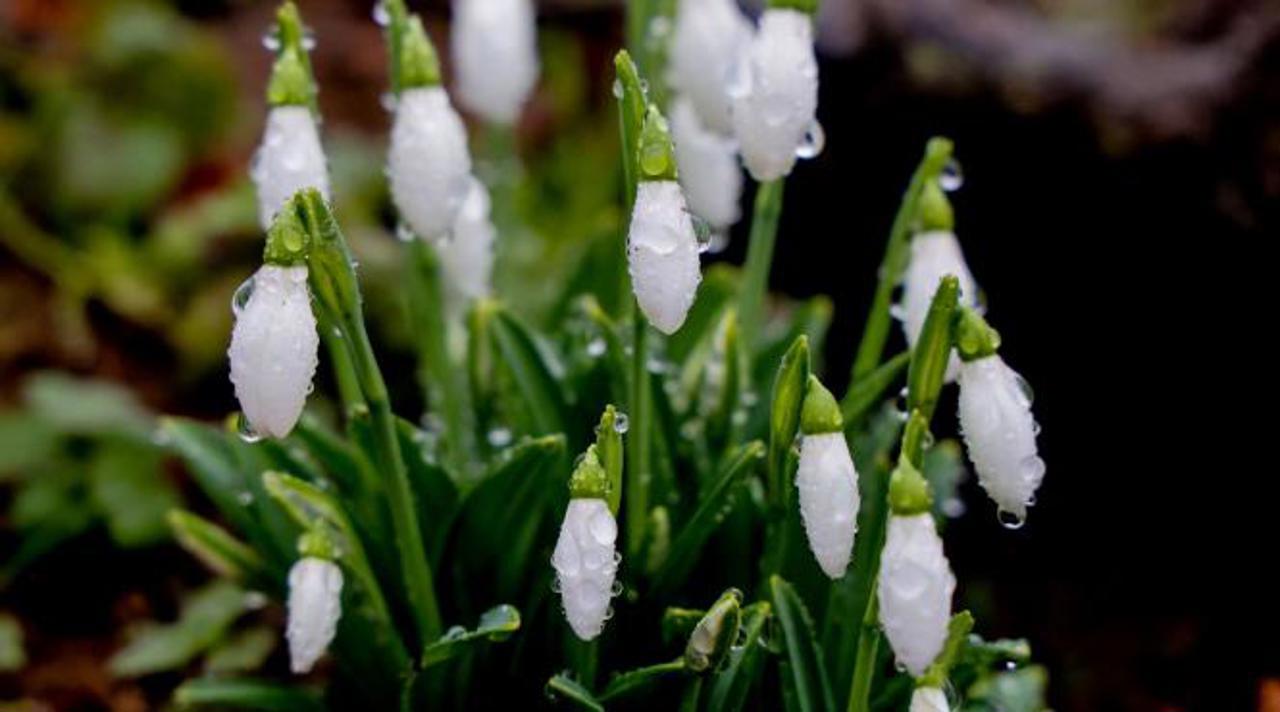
289	159
915	590
1000	433
273	350
586	565
929	699
315	604
495	56
828	499
428	164
662	253
934	255
467	258
775	95
709	172
708	41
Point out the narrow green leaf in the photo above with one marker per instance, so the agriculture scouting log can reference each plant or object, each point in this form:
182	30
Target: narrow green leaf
243	652
536	372
731	685
496	624
678	623
1021	690
789	386
957	637
631	681
223	695
566	688
711	510
867	391
808	675
932	352
437	493
217	549
755	271
204	618
609	450
131	492
13	654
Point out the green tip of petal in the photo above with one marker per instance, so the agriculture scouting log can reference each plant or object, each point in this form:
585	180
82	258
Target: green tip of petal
821	412
419	64
317	544
291	83
935	209
287	239
589	479
908	490
974	337
657	156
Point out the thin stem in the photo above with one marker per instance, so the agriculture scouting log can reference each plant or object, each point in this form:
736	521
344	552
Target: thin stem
896	255
755	273
340	360
868	652
637	474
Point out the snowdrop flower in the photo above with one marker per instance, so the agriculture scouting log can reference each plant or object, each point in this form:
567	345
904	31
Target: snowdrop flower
290	157
929	699
708	165
708	41
495	56
996	421
274	343
827	481
585	559
315	604
428	164
775	94
467	258
662	249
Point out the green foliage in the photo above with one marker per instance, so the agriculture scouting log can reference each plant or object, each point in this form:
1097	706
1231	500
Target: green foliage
205	617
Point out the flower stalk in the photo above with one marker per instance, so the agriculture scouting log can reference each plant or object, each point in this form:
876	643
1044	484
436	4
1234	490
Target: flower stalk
755	272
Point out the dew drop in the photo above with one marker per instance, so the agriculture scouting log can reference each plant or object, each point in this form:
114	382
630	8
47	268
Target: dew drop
455	632
952	176
815	139
617	88
608	613
380	14
1010	520
389	101
499	437
595	348
702	232
308	39
1025	389
271	39
555	584
719	242
616	589
245	498
246	430
621	422
241	297
404	233
953	507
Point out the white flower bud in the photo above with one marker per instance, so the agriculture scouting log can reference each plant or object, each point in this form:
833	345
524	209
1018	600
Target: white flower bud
710	175
929	699
662	252
708	41
495	56
934	255
428	164
467	258
586	564
915	590
775	94
289	159
1000	433
829	499
274	348
315	604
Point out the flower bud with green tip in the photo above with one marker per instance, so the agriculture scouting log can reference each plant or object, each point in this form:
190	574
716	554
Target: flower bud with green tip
315	601
715	633
996	421
585	557
827	481
709	171
274	344
290	156
775	92
495	56
708	40
662	249
428	163
916	583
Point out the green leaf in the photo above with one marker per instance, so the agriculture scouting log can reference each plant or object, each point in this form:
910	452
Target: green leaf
808	675
1014	691
566	688
245	651
789	386
204	619
626	683
85	407
864	393
678	623
710	512
217	549
496	624
536	372
609	450
248	695
437	493
26	441
13	656
131	492
932	352
731	685
957	636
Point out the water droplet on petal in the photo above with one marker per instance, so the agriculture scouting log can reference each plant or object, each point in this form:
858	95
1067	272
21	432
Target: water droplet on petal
241	296
617	88
246	430
702	232
1025	389
404	233
1010	520
718	243
380	14
952	176
621	422
815	139
389	101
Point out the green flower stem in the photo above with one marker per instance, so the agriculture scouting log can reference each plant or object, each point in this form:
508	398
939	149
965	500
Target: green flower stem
411	58
928	369
333	283
755	273
632	108
441	378
344	373
868	651
896	256
638	475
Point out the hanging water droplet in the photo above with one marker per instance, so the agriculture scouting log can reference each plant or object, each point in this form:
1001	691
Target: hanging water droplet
1025	389
596	348
616	590
246	430
1010	520
271	39
499	437
380	14
621	422
719	242
617	88
404	233
455	632
952	176
701	232
555	583
240	298
244	497
953	507
389	101
308	39
815	139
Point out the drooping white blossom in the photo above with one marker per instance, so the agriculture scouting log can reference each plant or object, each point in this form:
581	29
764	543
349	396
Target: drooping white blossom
429	165
289	159
708	167
274	348
315	604
467	258
1000	433
775	93
707	42
929	699
495	56
662	252
934	255
915	590
586	564
829	499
